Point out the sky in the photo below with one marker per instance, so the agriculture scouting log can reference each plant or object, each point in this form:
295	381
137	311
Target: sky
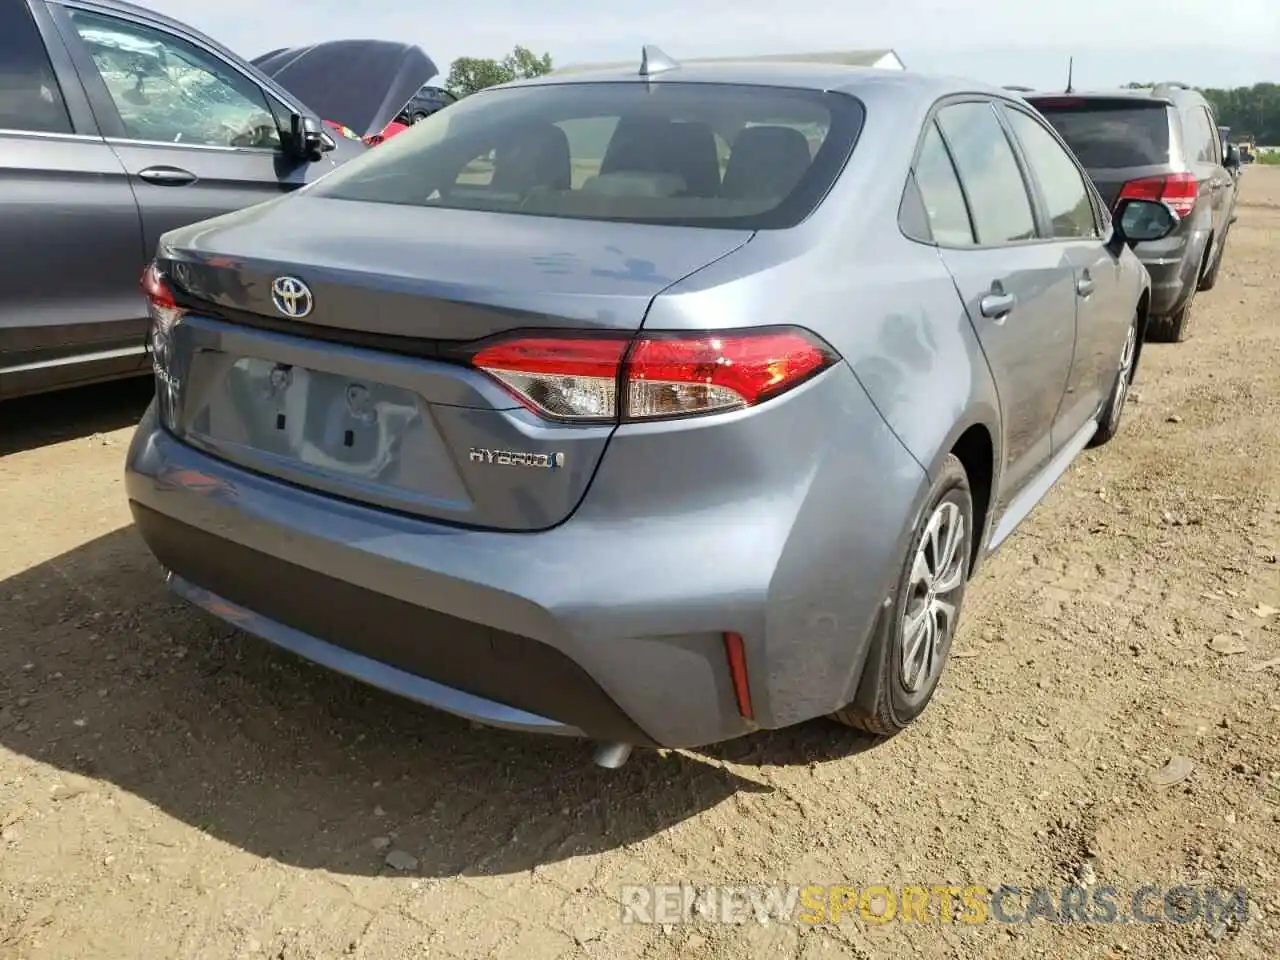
1201	42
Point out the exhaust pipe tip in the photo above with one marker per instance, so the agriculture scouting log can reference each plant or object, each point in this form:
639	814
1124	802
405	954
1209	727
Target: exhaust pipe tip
611	756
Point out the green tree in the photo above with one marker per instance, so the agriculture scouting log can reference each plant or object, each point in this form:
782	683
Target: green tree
525	64
469	74
1248	111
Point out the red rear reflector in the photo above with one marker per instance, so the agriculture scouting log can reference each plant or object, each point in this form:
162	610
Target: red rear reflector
735	651
1178	190
661	375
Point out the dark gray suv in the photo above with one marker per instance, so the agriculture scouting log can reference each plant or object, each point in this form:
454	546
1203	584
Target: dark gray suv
1158	143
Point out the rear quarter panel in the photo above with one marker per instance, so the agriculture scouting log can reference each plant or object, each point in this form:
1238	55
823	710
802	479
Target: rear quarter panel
890	308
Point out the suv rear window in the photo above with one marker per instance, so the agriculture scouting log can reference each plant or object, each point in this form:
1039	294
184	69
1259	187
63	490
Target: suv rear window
1108	134
694	154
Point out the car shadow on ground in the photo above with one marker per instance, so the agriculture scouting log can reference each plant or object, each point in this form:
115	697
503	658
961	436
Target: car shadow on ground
38	421
104	675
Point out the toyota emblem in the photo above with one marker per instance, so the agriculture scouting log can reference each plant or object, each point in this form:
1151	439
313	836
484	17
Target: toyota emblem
291	297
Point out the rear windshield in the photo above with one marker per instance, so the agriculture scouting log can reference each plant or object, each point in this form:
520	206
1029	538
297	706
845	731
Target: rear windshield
1107	135
696	154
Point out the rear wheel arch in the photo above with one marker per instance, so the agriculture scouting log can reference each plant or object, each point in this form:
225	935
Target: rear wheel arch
1144	316
975	450
1206	255
974	441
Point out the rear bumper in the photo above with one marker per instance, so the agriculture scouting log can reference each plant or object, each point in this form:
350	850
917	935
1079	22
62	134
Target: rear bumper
608	626
388	643
1174	266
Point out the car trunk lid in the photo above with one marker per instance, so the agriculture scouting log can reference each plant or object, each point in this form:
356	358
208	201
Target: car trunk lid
360	397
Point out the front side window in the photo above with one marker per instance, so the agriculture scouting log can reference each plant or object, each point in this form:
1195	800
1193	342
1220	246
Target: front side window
693	154
989	171
171	91
30	98
1065	192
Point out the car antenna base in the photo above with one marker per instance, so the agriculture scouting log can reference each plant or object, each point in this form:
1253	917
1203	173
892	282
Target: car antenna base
653	61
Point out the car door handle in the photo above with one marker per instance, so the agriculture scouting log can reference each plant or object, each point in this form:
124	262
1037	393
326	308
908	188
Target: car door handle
167	176
997	305
1084	286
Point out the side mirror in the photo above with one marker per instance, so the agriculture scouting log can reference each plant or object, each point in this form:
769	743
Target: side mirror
1231	160
1140	221
306	138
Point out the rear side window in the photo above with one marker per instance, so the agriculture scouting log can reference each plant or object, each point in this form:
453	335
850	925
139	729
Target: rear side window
1201	134
1107	135
30	98
690	154
940	192
990	174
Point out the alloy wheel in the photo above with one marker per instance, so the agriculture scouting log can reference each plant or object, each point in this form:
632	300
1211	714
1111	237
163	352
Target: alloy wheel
1126	372
936	580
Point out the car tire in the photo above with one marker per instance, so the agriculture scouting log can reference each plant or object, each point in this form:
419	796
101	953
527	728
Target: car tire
1113	411
1176	327
908	663
1210	279
419	116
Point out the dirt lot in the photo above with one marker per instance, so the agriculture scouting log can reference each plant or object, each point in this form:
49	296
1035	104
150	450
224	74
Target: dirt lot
170	788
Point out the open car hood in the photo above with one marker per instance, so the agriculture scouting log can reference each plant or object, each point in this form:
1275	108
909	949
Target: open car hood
362	84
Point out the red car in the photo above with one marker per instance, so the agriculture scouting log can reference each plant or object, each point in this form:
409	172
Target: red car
390	130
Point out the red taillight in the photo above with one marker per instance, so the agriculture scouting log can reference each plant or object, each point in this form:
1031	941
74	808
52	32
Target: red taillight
559	377
659	375
1178	190
157	291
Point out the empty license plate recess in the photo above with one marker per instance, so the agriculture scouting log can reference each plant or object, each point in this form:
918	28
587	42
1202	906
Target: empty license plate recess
356	437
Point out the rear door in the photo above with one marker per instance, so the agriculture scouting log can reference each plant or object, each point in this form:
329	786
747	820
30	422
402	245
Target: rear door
1018	288
68	221
1204	153
197	136
1070	217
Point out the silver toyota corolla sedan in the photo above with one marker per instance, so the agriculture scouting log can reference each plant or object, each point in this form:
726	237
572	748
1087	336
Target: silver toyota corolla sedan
654	406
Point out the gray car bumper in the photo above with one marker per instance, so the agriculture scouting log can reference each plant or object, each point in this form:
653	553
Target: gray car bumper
1174	266
610	625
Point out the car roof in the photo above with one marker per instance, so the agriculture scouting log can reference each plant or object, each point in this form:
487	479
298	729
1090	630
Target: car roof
802	75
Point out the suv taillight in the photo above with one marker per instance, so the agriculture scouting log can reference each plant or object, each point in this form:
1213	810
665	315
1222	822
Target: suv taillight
652	376
1178	190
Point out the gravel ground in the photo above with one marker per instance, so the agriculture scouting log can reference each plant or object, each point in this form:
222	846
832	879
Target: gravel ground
172	788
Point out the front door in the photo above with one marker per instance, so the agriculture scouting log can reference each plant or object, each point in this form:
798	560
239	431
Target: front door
197	136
